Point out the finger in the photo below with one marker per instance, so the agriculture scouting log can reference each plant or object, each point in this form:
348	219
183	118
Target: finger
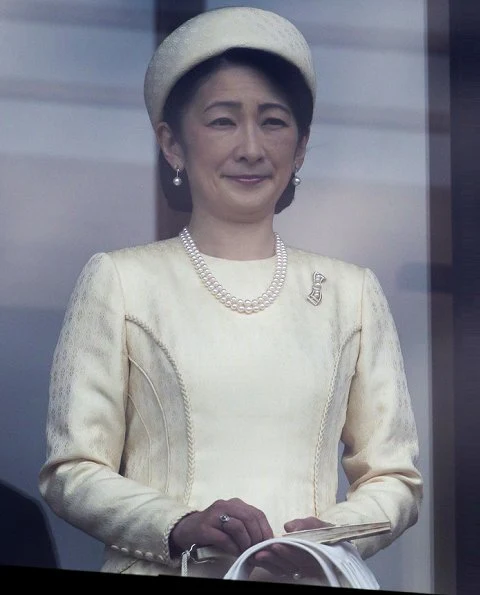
273	563
237	531
256	527
306	523
225	542
294	559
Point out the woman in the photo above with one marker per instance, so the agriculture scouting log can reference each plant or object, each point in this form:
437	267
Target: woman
201	384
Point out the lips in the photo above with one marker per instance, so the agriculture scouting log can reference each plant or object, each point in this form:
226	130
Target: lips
248	178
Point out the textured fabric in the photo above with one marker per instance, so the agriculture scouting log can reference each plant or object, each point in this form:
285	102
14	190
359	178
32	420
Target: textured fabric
213	32
162	400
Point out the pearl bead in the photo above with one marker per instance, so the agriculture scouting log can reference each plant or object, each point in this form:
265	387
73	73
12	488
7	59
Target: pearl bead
247	306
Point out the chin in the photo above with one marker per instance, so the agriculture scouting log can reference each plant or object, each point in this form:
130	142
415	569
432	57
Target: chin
254	200
251	212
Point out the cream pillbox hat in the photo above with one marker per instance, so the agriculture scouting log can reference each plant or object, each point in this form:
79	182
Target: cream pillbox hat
213	32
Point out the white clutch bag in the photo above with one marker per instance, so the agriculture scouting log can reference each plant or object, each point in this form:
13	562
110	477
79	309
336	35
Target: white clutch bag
341	563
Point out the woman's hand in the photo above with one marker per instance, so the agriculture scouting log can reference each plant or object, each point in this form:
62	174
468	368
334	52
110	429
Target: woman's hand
242	526
282	560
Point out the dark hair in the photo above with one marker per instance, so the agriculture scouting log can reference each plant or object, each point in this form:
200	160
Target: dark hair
281	73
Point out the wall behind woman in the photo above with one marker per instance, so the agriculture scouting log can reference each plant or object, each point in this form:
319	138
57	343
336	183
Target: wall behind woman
364	194
77	175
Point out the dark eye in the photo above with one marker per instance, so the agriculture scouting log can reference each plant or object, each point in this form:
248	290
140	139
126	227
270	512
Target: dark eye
274	122
222	122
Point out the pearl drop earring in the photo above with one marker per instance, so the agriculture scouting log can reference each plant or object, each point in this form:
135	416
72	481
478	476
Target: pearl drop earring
296	180
177	180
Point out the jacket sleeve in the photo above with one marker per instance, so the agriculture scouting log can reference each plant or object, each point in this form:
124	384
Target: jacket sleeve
379	436
86	426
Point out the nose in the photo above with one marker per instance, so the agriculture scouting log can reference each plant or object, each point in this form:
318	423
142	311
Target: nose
250	143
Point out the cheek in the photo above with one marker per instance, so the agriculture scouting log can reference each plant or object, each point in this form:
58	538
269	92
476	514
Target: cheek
201	149
201	164
284	148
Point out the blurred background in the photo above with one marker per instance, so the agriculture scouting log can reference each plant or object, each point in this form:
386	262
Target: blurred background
78	175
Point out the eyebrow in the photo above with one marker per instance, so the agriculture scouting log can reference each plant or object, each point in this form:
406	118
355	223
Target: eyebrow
237	105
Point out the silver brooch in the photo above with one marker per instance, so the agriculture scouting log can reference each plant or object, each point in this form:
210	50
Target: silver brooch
315	296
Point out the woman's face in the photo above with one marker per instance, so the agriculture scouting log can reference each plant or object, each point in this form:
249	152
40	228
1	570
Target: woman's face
239	145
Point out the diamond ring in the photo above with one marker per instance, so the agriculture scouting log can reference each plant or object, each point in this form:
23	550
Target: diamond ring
224	518
297	576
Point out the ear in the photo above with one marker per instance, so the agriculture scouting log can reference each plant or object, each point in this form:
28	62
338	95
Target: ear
170	147
301	149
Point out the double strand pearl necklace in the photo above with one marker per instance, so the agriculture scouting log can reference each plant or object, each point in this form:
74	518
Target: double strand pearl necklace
236	304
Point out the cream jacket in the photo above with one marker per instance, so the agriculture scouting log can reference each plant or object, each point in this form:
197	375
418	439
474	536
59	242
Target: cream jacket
163	400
